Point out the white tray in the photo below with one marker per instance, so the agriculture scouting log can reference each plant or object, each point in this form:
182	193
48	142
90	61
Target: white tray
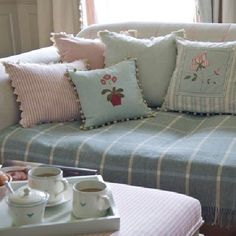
58	220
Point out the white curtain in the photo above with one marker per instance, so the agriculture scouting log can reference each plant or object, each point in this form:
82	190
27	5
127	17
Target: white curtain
216	11
57	16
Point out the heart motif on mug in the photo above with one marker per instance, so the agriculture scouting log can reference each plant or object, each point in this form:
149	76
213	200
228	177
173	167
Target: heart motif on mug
30	215
82	204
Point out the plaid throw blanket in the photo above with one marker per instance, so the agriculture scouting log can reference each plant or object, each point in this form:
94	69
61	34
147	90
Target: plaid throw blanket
178	152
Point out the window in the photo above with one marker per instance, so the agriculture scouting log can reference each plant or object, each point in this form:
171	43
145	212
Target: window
108	11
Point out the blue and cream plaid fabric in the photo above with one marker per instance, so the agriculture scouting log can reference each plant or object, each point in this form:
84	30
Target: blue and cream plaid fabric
188	154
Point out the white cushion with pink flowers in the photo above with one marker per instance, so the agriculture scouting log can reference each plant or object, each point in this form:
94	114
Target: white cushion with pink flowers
204	78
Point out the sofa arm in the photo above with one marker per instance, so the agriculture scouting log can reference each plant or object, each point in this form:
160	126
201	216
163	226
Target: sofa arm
9	109
42	55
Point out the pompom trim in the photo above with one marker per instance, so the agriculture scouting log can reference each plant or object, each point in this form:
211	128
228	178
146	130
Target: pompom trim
150	113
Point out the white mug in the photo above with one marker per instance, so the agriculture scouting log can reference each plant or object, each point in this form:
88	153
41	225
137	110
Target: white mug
90	199
48	179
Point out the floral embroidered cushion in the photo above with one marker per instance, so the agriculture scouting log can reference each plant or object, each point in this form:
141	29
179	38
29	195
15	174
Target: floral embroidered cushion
156	59
204	78
44	92
73	48
110	94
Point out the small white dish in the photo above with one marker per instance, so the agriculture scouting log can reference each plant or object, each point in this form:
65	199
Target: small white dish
67	196
18	173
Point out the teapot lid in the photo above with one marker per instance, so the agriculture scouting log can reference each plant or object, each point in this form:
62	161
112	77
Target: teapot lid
27	196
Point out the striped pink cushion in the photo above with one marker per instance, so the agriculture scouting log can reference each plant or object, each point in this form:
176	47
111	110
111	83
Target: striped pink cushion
44	92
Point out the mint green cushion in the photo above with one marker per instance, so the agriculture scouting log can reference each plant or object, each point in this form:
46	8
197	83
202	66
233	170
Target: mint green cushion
204	78
110	94
156	58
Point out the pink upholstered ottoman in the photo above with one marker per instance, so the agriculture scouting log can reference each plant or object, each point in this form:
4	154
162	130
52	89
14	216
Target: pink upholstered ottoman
146	212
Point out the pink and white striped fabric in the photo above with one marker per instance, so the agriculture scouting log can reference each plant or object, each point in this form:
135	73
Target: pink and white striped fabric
44	92
151	212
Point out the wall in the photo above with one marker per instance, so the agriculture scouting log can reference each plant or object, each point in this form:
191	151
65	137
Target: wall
18	26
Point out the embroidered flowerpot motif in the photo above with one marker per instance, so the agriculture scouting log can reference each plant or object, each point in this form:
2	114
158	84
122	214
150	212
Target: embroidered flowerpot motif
199	65
114	95
115	100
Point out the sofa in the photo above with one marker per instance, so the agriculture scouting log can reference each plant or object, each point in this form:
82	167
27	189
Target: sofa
187	152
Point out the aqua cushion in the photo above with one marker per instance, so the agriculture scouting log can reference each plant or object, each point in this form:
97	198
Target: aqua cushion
110	94
156	58
204	78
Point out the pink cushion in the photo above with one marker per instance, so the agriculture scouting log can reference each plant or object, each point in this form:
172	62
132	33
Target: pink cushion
73	48
44	92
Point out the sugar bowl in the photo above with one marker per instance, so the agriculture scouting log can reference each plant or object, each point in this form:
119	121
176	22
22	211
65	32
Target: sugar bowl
27	206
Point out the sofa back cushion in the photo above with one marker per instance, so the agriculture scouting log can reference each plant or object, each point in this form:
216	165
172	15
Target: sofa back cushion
44	92
217	32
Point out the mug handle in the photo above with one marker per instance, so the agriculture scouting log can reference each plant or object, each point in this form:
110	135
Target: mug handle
65	186
103	202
